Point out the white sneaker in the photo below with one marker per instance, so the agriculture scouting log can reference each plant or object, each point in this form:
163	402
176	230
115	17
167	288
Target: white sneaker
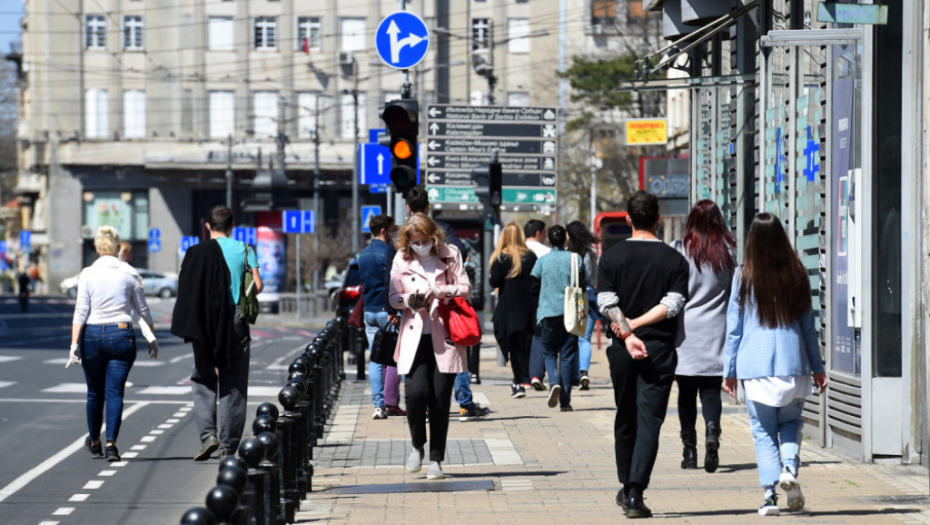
435	471
554	392
380	413
792	489
770	505
415	461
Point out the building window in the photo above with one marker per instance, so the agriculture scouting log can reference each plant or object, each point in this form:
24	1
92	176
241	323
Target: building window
310	33
222	114
347	115
134	114
388	96
95	30
96	114
352	37
480	33
132	32
518	98
307	113
220	33
265	113
479	98
266	32
638	14
603	12
518	29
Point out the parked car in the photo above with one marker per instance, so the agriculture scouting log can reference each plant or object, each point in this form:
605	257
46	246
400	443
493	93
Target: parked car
349	290
164	285
333	285
69	286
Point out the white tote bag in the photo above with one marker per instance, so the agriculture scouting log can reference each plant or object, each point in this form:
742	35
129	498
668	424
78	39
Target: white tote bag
576	303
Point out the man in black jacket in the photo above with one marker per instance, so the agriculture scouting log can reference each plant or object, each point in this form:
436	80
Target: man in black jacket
206	314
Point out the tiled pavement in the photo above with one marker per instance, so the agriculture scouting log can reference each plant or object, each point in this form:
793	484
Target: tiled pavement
527	463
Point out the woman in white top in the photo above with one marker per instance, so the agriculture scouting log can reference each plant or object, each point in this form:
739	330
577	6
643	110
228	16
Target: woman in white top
424	272
102	338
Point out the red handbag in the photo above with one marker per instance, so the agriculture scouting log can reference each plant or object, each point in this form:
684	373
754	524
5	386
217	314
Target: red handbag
357	318
461	321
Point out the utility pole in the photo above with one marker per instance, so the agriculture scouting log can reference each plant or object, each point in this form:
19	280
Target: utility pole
229	172
356	230
316	192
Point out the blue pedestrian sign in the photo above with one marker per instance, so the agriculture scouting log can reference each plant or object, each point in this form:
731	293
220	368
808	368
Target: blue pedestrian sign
2	246
154	240
298	221
25	240
367	213
188	242
246	235
402	40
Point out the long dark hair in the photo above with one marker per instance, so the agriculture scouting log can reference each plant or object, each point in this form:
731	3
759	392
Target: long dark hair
579	238
773	275
707	239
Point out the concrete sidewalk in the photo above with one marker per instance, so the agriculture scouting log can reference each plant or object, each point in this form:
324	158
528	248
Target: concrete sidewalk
527	463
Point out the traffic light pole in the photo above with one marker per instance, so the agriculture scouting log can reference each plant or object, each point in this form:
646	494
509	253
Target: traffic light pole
356	229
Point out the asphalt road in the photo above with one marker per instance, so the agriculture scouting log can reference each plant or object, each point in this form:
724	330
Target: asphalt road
46	476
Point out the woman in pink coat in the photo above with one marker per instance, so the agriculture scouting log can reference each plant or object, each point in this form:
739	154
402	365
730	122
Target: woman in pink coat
426	271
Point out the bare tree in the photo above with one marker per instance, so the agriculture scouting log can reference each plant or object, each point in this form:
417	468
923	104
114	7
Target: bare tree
335	250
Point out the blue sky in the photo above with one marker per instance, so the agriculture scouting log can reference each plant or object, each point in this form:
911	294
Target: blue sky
10	13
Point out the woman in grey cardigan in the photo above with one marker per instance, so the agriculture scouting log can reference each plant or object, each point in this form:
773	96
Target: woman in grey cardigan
707	246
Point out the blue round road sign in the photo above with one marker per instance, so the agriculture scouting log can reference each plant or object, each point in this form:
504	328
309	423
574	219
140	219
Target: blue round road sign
402	40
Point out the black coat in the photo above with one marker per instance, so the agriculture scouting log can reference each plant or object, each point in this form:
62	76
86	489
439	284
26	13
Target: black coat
202	311
516	307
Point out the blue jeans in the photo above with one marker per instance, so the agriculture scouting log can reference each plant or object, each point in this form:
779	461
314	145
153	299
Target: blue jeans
560	348
462	390
107	355
537	360
776	432
375	321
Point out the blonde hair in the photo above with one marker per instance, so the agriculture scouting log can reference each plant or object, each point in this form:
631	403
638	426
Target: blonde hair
107	240
512	243
418	224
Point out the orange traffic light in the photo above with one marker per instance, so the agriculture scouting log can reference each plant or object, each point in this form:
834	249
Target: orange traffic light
402	149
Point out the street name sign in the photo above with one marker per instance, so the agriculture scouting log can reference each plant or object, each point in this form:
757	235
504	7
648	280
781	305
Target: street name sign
462	137
402	40
852	13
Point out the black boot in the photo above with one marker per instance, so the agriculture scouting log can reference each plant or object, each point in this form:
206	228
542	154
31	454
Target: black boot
712	444
689	454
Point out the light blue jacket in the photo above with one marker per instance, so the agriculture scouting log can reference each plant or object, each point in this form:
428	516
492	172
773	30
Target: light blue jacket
553	273
754	351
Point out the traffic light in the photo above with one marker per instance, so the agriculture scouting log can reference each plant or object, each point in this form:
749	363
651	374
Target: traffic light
489	185
402	122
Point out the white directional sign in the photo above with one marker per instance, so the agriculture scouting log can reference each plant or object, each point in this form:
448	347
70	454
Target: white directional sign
402	40
462	137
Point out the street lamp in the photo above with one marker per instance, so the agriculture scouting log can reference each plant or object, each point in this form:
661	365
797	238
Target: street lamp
483	58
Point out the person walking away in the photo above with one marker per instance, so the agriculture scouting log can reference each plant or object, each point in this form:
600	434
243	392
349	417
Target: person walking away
581	241
551	274
707	246
535	232
772	347
207	314
417	202
424	272
384	380
511	266
642	285
22	281
103	341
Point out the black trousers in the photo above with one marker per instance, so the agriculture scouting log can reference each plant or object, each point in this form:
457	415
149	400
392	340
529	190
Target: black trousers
708	387
427	387
641	392
517	348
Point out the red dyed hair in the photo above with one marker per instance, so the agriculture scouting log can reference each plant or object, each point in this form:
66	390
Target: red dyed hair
708	241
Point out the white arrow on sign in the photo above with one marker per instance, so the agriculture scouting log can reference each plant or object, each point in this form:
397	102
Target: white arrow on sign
432	161
433	144
521	197
548	181
432	177
434	128
397	45
380	164
433	112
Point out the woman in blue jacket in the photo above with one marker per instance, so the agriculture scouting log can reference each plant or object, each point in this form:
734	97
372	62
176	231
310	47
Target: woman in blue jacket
772	348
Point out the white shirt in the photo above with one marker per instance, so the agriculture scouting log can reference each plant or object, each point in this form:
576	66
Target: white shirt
429	267
107	291
778	391
537	247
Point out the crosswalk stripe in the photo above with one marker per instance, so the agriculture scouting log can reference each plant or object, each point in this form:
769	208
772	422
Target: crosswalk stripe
269	391
169	390
4	384
67	388
8	358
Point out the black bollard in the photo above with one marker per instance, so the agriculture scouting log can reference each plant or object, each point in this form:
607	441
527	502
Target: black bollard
223	501
234	461
267	409
238	479
253	452
272	480
294	436
264	423
198	516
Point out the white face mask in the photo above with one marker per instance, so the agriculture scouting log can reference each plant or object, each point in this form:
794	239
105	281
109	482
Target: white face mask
422	250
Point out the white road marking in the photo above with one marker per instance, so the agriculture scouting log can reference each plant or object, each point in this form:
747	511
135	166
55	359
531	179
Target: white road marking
179	414
56	361
173	421
180	358
129	455
277	363
75	401
79	497
106	473
4	384
50	463
139	447
8	358
157	432
68	388
165	390
93	484
148	439
165	425
119	463
48	523
149	363
63	511
269	391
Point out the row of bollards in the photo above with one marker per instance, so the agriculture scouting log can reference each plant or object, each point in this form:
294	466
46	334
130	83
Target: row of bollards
272	472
